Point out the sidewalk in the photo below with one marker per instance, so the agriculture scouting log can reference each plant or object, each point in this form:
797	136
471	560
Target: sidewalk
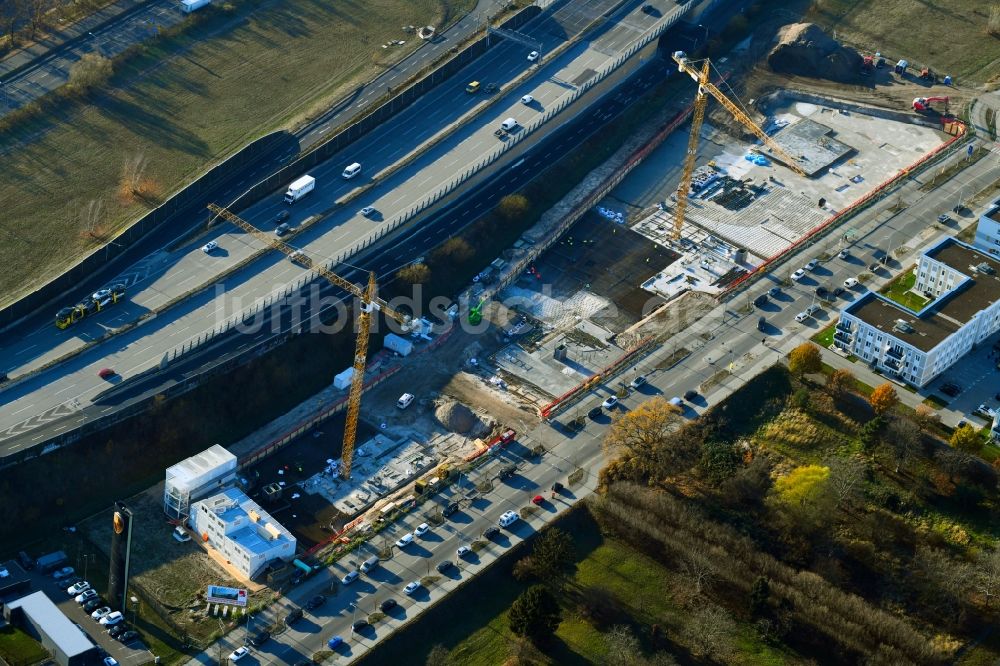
24	56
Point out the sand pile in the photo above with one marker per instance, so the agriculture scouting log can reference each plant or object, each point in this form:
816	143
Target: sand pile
805	50
457	417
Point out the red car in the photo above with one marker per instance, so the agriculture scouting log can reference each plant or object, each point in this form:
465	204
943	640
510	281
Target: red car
106	373
507	437
538	499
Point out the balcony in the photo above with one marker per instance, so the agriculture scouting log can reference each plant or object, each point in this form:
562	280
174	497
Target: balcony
894	353
844	326
842	336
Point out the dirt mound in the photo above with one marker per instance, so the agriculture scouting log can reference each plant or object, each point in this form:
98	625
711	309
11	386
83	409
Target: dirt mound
804	49
456	417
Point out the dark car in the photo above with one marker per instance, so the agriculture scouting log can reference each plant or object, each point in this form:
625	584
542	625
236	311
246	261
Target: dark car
491	532
26	562
444	566
950	390
260	638
359	625
316	602
595	412
649	9
760	300
387	605
761	323
128	636
293	615
93	605
4	377
838	291
281	229
507	471
557	487
106	373
281	217
117	630
691	395
822	291
774	292
450	509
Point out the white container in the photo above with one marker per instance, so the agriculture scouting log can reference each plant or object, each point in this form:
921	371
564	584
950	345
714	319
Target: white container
343	380
188	6
401	346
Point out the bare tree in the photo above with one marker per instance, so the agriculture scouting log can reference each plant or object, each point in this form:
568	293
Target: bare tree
698	568
91	216
941	582
710	631
987	578
902	439
952	461
846	475
438	656
624	648
133	171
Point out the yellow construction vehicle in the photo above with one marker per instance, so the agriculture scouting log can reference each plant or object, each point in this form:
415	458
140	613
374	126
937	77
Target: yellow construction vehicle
706	88
370	303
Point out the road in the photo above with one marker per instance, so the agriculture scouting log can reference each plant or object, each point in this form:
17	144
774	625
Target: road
725	339
59	392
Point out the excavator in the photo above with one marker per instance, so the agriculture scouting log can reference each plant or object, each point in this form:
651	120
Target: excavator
923	104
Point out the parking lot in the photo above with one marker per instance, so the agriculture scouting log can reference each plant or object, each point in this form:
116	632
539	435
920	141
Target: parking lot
134	652
977	376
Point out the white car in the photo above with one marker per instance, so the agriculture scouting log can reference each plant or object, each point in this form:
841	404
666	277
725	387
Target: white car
110	661
811	266
421	529
463	551
86	596
368	211
610	402
799	274
508	518
100	612
527	100
113	618
77	588
844	254
239	653
180	535
533	56
801	317
411	588
208	247
349	578
850	283
405	400
405	540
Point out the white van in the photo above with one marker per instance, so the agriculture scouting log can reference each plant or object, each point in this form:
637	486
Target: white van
801	317
508	518
405	400
508	125
351	171
369	564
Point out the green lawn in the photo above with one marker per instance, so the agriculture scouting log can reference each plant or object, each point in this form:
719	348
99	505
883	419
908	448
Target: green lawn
899	291
186	104
825	337
18	648
916	30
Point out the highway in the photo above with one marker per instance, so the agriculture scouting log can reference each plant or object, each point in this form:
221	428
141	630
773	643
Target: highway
422	238
59	392
723	339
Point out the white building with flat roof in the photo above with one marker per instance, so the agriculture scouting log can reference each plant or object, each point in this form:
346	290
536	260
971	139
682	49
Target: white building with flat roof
196	477
988	231
239	529
963	284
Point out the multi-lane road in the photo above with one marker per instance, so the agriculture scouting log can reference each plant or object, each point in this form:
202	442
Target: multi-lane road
721	339
56	394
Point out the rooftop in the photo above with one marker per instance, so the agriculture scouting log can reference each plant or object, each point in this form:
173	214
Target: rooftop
194	469
947	314
812	145
12	578
993	213
53	623
255	530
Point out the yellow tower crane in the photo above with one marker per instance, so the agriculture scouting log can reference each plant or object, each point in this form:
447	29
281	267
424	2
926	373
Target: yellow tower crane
706	88
370	303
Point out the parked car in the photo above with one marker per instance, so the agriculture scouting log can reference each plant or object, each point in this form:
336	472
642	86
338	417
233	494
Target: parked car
349	578
387	605
77	588
798	275
316	602
537	500
64	573
444	565
180	534
260	638
490	532
422	529
595	412
844	254
110	661
359	625
27	562
838	291
463	551
690	395
101	612
760	300
86	596
944	218
334	642
774	292
638	381
112	618
821	291
557	487
610	402
508	518
239	653
811	266
127	637
93	605
411	588
117	630
405	540
450	509
761	323
851	283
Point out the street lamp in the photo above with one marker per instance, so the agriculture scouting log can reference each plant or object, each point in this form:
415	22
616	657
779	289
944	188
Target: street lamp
706	31
135	607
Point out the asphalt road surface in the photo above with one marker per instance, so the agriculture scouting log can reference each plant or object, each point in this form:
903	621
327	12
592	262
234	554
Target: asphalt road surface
61	391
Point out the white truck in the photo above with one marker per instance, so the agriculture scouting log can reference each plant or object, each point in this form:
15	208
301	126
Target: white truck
188	6
299	189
